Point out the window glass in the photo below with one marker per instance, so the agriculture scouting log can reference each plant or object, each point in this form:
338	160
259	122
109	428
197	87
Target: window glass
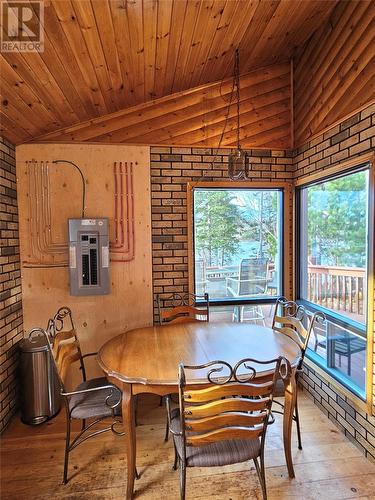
334	244
237	243
333	272
229	314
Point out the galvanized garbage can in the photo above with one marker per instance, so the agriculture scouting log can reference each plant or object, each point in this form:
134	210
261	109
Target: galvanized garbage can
40	389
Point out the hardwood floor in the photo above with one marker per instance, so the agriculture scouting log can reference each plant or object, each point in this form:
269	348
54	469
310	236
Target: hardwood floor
328	467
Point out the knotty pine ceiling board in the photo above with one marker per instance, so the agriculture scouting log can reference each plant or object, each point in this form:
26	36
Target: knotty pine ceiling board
335	74
198	116
103	56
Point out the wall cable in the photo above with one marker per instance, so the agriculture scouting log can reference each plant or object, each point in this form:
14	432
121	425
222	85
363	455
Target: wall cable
83	182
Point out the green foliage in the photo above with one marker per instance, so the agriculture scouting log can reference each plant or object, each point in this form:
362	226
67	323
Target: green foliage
337	221
223	219
261	215
217	225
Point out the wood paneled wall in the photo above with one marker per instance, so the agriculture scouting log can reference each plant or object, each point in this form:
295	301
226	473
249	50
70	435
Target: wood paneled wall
197	117
58	188
334	76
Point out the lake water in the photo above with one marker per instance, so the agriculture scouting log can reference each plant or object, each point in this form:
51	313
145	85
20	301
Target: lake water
246	250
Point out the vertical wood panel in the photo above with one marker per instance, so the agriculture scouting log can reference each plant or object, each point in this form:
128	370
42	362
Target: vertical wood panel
44	290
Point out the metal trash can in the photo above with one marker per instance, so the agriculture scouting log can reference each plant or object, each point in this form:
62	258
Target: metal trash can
40	388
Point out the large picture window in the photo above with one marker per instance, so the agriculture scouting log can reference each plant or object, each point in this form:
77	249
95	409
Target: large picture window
333	263
237	243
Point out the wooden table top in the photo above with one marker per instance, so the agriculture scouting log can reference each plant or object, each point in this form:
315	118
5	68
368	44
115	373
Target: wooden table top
151	355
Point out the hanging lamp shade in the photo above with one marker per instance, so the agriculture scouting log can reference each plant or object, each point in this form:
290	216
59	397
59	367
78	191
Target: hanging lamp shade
238	165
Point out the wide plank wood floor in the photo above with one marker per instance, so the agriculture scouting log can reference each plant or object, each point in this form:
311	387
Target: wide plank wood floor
328	467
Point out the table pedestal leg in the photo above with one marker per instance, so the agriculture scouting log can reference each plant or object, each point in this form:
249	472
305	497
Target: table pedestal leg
289	405
128	418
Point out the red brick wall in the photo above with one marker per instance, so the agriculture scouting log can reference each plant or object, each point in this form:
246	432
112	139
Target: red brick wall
11	330
171	169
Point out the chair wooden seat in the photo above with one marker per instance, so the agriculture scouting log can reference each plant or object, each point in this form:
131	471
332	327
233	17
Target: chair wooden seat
214	454
93	404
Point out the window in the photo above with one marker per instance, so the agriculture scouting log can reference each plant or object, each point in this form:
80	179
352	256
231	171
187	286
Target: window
237	245
333	257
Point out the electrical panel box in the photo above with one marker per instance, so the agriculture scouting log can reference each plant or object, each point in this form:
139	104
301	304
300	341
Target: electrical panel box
89	256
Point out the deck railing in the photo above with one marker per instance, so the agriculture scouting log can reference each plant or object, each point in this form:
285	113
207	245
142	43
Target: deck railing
338	288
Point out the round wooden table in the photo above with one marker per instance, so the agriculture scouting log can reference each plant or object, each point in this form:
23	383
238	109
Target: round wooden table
145	360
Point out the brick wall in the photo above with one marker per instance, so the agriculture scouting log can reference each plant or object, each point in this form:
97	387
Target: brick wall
357	425
10	283
171	169
347	140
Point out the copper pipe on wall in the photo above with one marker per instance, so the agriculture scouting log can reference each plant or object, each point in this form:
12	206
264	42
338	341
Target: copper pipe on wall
44	251
40	219
124	252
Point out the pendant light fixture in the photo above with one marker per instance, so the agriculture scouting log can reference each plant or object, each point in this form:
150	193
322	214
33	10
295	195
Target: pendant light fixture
238	160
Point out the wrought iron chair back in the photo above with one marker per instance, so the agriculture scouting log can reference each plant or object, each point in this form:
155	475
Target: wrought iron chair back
183	308
93	400
234	406
296	322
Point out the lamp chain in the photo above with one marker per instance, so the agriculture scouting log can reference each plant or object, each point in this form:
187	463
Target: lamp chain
237	85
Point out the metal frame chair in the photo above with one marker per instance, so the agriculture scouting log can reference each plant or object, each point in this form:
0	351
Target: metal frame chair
225	422
253	279
183	308
290	322
95	399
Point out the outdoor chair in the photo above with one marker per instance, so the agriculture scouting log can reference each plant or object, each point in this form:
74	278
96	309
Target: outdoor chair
200	276
225	422
342	343
290	319
93	400
252	281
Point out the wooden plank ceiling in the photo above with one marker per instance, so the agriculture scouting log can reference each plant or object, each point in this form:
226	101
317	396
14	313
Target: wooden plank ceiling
200	117
104	56
335	74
